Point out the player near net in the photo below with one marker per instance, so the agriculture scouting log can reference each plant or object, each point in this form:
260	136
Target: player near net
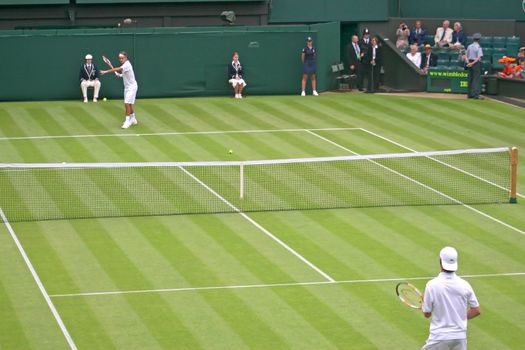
450	301
130	86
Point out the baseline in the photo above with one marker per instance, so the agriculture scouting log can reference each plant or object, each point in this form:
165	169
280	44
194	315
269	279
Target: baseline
39	282
272	285
167	133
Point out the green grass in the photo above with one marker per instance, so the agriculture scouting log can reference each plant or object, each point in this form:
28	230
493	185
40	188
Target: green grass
186	254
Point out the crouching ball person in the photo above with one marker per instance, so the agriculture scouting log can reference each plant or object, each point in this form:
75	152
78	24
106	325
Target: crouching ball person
450	301
130	88
236	73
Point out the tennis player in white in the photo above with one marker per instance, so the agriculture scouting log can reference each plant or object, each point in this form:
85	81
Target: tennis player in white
130	88
450	301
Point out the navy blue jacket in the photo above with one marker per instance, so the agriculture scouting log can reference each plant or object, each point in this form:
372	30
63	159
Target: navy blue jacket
419	39
459	36
232	72
87	74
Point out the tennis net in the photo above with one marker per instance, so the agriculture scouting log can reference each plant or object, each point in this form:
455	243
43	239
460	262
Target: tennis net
89	190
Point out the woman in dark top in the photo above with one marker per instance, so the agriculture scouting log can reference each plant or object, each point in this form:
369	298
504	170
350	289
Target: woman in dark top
235	73
309	66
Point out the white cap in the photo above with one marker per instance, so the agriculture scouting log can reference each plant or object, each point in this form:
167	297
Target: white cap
89	57
449	259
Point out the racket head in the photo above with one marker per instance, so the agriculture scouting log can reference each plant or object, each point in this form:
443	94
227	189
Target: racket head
107	61
409	295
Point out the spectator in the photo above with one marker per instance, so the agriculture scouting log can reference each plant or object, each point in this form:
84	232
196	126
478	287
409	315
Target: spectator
428	59
508	69
521	53
236	75
414	56
450	301
309	66
459	40
354	60
443	36
402	34
519	72
89	78
364	45
418	35
372	63
472	59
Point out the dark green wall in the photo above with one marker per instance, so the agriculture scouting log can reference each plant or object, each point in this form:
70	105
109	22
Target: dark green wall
464	9
167	61
307	11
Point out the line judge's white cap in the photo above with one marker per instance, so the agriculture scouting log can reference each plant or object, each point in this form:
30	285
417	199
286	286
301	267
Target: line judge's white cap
449	258
89	57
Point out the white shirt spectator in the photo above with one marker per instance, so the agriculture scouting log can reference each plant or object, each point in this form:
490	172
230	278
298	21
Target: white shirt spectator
415	58
448	296
443	35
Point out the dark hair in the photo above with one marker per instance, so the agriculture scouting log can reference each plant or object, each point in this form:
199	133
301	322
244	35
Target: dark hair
235	53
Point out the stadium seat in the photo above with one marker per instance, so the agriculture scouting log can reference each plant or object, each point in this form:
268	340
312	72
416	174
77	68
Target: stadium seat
443	56
513	41
486	41
499	41
488	51
470	40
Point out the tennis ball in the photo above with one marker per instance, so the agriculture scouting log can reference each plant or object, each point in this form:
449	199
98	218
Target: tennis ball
230	151
104	99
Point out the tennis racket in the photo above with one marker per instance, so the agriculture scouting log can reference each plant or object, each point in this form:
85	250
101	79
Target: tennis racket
409	295
108	62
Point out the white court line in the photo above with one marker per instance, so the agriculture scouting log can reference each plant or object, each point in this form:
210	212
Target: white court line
38	282
253	222
272	285
423	185
437	160
168	133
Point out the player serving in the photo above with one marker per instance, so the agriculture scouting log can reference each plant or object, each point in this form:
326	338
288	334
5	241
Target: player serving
130	86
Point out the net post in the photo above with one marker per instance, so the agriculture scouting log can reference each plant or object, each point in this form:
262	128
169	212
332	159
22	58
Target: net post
513	174
241	180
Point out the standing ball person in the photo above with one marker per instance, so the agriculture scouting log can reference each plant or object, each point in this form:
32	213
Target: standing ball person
450	301
309	66
130	88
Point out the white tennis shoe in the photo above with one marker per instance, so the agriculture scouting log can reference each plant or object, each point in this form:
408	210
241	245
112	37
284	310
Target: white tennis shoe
303	93
133	120
315	93
127	122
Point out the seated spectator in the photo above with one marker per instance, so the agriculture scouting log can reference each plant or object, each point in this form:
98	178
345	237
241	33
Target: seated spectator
508	70
519	71
235	73
521	54
443	36
414	56
402	34
459	40
89	78
418	35
428	59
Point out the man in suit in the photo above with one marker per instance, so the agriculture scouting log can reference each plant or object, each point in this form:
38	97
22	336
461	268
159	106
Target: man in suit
428	59
364	45
443	36
418	35
89	78
354	60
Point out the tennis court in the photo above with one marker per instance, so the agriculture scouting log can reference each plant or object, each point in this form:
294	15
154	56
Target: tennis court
304	279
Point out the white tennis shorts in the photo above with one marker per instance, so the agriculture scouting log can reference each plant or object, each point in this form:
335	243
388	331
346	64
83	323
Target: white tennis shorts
456	344
236	82
130	95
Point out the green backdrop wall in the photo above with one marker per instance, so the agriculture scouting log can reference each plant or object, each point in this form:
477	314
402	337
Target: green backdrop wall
42	65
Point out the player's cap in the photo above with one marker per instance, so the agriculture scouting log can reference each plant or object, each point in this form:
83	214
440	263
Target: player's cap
366	31
428	46
476	36
89	57
309	38
449	258
522	48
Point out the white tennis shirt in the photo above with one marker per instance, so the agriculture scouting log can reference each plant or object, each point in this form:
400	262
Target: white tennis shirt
447	296
128	76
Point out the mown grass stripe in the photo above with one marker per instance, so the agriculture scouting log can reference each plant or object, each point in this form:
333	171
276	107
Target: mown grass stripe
12	329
